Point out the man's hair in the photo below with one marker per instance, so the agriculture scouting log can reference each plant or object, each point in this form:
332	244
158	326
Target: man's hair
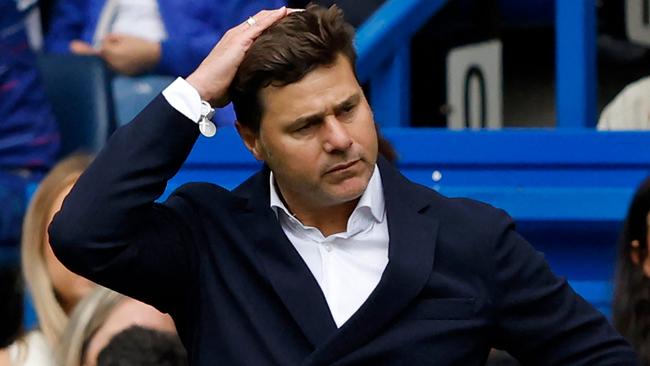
138	346
285	53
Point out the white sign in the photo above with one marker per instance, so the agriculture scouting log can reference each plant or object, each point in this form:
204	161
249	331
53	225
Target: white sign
474	86
637	21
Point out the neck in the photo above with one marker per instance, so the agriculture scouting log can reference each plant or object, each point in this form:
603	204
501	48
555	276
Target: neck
329	219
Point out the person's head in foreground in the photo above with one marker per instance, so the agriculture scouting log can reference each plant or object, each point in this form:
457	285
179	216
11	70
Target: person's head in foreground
54	289
301	110
100	316
139	346
631	311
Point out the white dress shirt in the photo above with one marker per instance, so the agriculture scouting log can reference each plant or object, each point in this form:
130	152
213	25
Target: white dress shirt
347	265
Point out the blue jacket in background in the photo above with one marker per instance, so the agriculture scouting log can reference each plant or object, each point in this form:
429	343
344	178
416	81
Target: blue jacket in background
193	27
29	136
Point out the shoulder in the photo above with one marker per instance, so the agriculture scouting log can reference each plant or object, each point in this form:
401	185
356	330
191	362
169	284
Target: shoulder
201	194
471	213
460	212
463	218
469	231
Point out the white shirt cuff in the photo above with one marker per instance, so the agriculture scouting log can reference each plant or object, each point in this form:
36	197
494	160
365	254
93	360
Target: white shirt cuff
184	98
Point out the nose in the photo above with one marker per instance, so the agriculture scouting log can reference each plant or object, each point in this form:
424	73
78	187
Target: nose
336	136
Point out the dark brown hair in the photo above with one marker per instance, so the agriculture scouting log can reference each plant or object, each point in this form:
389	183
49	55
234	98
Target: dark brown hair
631	308
285	53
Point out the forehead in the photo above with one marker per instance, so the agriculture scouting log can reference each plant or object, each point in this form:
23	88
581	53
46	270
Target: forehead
320	90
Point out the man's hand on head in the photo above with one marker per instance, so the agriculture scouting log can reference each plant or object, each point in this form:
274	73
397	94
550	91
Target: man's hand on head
213	77
129	55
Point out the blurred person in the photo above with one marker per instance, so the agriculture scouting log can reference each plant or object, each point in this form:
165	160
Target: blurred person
29	143
139	346
138	36
98	318
29	138
327	255
630	109
631	308
54	290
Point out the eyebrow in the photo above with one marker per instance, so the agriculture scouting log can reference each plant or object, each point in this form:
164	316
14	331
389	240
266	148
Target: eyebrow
318	117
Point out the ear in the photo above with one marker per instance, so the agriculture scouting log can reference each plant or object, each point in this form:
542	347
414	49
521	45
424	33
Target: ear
251	140
646	261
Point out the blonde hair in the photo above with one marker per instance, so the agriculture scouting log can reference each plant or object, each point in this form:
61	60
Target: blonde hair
51	316
87	317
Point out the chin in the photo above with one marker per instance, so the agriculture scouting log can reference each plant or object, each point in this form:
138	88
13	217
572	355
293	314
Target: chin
349	193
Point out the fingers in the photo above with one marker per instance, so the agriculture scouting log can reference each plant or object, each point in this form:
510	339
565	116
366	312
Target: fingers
262	24
82	48
262	20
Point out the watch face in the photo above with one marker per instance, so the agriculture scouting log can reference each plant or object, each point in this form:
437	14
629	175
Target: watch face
207	128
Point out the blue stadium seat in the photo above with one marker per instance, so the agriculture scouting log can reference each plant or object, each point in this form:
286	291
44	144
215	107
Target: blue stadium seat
79	90
132	94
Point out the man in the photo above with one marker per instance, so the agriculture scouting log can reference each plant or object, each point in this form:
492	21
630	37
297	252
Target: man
327	255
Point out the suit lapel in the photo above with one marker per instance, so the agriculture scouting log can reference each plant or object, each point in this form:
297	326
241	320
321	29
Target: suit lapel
289	275
411	252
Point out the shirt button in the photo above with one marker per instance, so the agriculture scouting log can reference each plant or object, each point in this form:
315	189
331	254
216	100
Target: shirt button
328	247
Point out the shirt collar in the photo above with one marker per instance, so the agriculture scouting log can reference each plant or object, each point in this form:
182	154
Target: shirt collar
372	198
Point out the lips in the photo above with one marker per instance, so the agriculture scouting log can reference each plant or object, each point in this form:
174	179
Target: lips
341	166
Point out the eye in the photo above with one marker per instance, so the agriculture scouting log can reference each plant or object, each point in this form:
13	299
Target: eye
305	128
346	110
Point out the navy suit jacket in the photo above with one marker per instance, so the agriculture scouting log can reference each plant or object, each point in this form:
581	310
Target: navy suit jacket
459	279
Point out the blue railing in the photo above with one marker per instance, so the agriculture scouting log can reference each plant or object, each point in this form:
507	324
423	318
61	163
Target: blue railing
576	79
384	59
383	46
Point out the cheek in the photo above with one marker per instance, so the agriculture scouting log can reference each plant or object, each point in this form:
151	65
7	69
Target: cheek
294	156
68	285
366	136
56	271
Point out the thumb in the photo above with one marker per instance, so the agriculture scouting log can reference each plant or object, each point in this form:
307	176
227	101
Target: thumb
82	48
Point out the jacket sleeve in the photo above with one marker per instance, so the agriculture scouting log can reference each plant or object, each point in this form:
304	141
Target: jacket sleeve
540	320
109	228
68	20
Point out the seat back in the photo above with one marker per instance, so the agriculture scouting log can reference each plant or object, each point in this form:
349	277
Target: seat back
79	90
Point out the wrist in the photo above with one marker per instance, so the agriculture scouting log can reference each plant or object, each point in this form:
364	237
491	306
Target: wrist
200	84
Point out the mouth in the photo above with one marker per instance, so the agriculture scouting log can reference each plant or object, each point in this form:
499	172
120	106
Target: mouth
341	166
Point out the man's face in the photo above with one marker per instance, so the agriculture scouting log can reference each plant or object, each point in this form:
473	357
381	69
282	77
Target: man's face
318	137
